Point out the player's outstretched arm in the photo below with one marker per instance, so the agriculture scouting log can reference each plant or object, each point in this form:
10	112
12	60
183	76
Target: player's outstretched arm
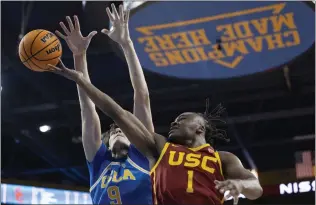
120	33
239	180
144	140
91	128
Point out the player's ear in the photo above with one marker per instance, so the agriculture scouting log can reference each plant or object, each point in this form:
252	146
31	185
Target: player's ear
200	129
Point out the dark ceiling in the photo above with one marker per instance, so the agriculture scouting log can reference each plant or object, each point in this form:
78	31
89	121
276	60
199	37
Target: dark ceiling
263	112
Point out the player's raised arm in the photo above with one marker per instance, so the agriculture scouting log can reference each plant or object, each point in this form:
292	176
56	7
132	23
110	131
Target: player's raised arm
91	129
120	33
239	180
144	140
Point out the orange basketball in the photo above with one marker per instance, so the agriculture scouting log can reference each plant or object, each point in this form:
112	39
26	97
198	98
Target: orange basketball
39	48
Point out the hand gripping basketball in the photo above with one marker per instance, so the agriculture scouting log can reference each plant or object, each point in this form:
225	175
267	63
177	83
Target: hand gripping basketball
66	72
74	39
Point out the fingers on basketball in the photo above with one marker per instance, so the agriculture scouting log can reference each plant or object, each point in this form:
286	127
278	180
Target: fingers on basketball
59	68
53	69
61	64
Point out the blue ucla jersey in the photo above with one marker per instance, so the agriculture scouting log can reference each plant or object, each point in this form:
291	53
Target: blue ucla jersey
120	181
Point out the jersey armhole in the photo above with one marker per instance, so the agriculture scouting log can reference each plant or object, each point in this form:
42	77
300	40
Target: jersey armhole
219	162
160	142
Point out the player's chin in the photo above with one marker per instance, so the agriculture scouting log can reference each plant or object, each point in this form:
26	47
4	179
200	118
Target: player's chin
122	141
121	138
174	138
171	135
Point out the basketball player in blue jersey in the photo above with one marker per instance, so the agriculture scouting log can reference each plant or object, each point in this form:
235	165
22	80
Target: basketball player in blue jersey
118	171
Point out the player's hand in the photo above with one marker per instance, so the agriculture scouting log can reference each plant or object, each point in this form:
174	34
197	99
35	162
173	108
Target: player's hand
234	188
119	31
66	72
74	39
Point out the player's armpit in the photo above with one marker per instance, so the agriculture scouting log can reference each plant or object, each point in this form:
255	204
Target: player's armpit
234	170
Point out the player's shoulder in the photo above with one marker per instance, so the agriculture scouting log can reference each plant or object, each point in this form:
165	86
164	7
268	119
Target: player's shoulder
134	151
160	141
102	154
227	156
224	153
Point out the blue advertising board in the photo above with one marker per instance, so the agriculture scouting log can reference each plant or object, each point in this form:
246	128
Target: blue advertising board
220	39
21	194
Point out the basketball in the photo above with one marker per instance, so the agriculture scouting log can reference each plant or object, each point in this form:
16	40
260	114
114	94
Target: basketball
38	48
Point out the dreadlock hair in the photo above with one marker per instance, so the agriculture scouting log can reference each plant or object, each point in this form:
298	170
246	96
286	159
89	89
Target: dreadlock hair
105	137
212	119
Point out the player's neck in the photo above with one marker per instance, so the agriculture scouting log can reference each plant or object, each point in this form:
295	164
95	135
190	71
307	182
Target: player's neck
120	150
197	142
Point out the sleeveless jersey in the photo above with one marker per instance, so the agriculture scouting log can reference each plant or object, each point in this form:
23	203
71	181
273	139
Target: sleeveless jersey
123	181
184	175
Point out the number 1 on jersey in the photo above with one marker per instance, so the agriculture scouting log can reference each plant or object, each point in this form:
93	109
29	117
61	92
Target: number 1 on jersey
190	181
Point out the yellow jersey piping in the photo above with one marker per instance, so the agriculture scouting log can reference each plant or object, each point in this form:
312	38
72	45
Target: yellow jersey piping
200	147
160	157
154	188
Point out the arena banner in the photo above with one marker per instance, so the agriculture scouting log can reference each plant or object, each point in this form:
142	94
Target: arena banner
215	40
21	194
297	187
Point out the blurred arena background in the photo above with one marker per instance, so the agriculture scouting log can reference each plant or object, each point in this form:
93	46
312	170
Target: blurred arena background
271	110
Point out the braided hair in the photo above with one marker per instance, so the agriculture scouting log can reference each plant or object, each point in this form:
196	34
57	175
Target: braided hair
212	119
